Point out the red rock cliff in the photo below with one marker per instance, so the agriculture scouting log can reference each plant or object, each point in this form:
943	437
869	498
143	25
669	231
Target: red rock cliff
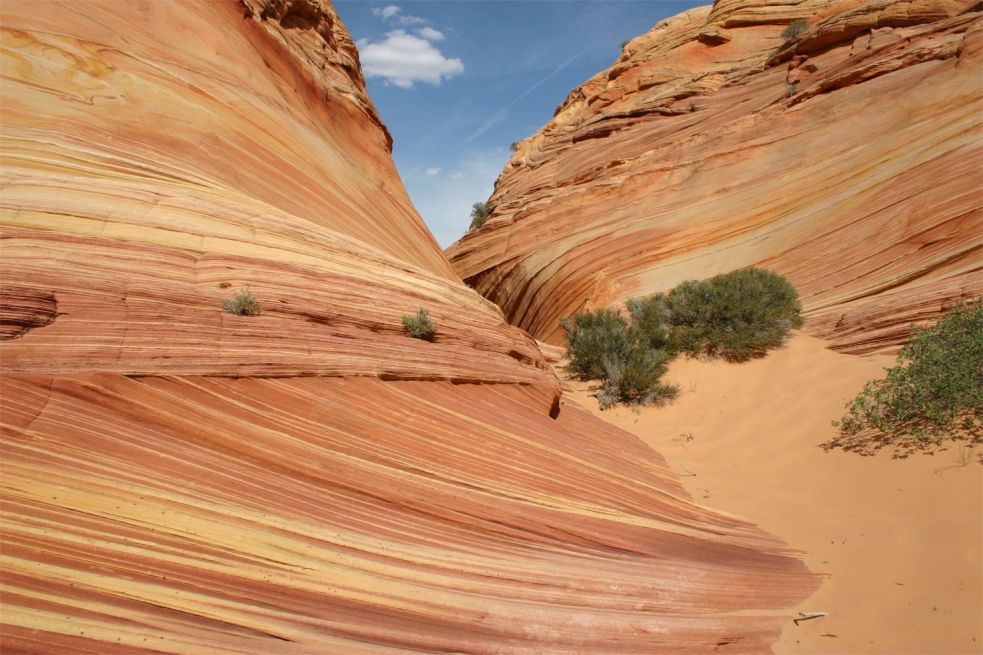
847	157
177	479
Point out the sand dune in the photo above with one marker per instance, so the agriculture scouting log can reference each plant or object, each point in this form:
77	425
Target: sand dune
899	539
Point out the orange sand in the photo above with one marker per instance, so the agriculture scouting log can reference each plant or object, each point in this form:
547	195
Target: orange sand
900	539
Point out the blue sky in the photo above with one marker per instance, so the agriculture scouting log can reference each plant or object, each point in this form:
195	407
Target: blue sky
457	81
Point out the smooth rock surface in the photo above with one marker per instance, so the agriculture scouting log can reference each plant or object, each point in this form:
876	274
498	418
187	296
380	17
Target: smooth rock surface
312	515
847	158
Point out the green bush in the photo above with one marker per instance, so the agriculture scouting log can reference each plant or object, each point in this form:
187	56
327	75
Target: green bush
650	321
636	379
626	355
936	387
795	28
736	316
420	325
480	212
243	304
594	337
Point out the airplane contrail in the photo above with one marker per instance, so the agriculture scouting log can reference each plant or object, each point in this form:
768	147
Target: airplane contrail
502	113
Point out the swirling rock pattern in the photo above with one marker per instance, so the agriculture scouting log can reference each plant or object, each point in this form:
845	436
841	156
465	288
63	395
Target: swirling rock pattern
847	158
207	515
177	479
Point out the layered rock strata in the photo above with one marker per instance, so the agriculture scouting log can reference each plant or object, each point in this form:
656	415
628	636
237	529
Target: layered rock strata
847	157
313	515
178	479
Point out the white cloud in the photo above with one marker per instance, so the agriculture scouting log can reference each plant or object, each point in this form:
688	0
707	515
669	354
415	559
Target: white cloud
412	20
386	12
456	176
430	34
395	12
403	59
433	170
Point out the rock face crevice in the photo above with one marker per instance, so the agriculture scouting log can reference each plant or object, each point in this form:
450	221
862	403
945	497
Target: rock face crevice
23	309
179	479
846	158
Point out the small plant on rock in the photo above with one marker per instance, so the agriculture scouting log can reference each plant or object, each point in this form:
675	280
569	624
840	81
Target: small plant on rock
795	28
480	212
420	325
243	304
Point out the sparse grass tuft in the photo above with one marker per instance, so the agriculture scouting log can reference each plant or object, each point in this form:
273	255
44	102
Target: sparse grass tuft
420	325
243	304
794	29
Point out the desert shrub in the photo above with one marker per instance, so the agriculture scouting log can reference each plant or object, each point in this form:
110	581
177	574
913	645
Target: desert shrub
636	379
736	316
594	337
243	304
795	28
936	387
627	355
480	212
420	325
650	321
514	146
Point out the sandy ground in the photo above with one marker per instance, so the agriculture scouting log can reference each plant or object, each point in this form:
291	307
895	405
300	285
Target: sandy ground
901	540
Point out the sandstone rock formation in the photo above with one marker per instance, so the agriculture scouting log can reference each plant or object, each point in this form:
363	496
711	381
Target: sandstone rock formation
847	157
177	479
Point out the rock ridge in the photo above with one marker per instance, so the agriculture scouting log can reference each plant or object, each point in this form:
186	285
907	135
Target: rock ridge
845	157
331	61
